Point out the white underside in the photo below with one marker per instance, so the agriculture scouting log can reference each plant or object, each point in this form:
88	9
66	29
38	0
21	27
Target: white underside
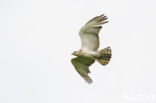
88	53
89	42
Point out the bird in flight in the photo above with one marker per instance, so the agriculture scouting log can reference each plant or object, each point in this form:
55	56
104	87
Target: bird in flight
88	53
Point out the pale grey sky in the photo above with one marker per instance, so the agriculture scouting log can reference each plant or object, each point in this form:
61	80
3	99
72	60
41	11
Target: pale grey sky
38	36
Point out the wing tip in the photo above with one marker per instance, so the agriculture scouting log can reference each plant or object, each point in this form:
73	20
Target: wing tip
88	79
98	20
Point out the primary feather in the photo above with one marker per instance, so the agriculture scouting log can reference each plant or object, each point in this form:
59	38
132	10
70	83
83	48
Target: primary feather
81	65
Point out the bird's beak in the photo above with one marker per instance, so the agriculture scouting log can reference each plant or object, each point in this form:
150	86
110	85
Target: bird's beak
72	53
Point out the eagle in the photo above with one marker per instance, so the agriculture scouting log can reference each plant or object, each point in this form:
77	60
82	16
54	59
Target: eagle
89	53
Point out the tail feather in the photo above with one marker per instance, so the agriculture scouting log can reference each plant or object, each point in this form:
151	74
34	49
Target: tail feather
105	56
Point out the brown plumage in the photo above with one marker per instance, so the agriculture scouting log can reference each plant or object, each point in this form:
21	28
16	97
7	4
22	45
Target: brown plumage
88	53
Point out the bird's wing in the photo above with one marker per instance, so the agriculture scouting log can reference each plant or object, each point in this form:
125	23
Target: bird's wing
89	33
81	65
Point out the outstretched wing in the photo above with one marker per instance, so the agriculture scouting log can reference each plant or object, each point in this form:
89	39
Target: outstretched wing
81	65
89	33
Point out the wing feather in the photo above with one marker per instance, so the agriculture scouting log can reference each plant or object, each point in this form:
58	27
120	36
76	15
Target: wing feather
89	33
81	65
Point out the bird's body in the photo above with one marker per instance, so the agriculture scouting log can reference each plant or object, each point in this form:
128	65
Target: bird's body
88	53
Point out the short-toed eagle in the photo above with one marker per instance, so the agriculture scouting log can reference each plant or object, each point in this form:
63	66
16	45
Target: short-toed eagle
88	53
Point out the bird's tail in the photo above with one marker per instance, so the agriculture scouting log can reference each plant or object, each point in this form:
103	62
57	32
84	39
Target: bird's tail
105	56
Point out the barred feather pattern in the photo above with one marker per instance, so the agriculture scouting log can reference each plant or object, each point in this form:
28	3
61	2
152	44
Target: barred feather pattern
86	56
105	56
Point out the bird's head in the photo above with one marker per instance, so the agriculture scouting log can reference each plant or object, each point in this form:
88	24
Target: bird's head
76	53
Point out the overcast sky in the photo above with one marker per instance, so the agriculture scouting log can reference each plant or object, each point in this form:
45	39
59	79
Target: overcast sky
37	38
